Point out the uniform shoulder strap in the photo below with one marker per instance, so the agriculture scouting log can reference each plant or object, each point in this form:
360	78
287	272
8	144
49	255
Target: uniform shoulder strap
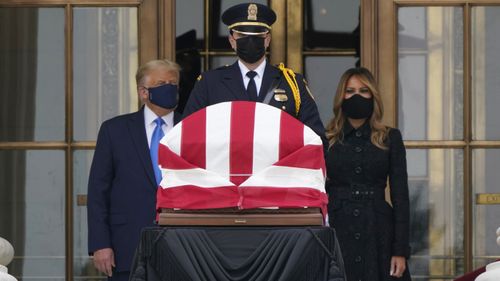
200	77
292	82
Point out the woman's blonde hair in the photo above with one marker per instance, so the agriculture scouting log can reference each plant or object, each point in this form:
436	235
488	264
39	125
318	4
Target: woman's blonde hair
334	129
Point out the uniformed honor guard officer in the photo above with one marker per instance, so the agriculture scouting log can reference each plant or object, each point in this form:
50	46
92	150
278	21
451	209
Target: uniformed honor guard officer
251	78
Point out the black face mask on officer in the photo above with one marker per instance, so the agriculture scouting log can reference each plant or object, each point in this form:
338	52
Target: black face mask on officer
250	48
358	107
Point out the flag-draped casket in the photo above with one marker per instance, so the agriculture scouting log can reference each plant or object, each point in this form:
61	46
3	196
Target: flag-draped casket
241	155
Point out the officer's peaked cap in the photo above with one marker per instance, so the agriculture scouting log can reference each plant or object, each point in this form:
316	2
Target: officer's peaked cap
249	18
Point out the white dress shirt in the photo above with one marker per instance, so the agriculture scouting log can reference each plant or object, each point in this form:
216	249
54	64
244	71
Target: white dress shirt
258	78
150	125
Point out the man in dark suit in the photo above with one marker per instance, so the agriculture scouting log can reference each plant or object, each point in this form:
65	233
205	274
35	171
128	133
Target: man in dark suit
251	78
124	174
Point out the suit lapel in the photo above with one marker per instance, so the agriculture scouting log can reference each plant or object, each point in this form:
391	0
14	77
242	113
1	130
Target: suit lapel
234	82
270	74
138	134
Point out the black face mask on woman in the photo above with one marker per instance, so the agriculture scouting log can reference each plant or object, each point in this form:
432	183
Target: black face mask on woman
250	48
358	107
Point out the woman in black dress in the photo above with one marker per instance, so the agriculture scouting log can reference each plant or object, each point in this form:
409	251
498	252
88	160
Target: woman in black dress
362	155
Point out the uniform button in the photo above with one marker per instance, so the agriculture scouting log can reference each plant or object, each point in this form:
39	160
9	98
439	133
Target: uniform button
357	235
357	259
358	134
358	149
356	212
358	170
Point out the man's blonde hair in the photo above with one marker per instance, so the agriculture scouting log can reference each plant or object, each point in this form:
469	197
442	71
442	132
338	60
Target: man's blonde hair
143	71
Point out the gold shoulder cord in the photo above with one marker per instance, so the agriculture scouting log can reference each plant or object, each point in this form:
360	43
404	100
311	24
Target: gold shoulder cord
292	82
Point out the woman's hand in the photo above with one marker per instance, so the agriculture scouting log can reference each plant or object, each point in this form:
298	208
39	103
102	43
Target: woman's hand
398	266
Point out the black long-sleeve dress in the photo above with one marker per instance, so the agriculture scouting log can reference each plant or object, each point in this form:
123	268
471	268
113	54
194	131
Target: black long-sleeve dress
369	230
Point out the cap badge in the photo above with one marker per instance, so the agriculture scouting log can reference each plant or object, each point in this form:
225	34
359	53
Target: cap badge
252	12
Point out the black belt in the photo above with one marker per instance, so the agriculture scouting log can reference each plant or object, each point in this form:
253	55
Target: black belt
358	193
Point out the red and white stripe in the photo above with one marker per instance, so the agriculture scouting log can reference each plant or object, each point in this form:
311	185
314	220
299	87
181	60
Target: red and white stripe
241	154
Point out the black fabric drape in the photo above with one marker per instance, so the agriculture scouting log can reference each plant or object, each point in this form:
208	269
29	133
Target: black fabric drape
237	253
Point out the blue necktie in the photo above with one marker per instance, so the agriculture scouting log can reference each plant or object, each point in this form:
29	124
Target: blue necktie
252	87
155	142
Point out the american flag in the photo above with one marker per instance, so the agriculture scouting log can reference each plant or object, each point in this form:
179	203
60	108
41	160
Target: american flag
241	154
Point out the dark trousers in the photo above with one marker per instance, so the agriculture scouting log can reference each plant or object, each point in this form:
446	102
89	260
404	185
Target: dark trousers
120	276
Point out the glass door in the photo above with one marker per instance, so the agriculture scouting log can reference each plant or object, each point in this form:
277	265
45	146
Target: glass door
435	62
323	39
66	66
485	131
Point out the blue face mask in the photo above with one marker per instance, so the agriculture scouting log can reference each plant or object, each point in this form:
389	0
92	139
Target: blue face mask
165	96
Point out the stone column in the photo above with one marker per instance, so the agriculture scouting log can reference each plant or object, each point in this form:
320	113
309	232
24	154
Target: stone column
6	256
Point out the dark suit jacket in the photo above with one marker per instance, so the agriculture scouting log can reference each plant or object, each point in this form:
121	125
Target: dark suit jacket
226	84
122	188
